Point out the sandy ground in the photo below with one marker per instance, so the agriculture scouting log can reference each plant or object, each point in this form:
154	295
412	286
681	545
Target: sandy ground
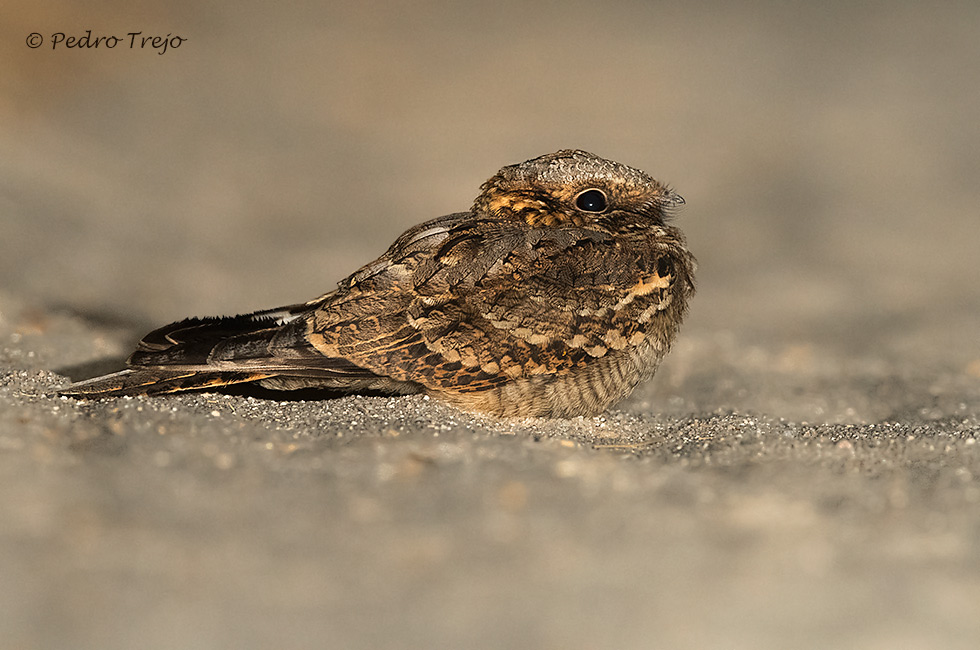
804	471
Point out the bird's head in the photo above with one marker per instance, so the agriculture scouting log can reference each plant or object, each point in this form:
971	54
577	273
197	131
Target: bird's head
577	188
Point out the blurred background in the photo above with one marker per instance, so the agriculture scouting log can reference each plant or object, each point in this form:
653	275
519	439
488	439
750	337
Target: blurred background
829	153
830	157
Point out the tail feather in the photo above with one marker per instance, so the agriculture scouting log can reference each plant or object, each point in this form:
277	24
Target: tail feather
156	381
269	347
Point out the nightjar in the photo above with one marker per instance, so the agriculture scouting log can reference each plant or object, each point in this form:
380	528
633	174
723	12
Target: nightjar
556	294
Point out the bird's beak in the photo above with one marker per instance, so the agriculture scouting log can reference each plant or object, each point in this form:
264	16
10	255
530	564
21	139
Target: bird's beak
672	199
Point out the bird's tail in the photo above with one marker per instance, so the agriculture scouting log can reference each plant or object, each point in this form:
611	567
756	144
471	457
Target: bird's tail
270	347
156	381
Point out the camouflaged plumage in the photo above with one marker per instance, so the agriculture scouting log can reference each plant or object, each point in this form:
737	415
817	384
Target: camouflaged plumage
527	305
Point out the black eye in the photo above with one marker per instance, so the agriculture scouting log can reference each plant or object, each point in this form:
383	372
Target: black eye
591	201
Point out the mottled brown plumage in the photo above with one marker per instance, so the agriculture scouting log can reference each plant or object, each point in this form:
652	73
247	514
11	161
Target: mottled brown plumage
555	295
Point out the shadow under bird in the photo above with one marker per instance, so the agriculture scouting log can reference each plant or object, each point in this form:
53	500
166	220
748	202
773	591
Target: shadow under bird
558	292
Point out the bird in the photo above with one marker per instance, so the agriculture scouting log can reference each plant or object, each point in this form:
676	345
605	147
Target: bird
555	295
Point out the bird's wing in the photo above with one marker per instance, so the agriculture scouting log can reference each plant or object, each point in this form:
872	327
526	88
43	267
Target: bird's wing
271	346
267	341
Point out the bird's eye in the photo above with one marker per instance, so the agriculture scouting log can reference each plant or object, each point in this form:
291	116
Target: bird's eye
591	201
